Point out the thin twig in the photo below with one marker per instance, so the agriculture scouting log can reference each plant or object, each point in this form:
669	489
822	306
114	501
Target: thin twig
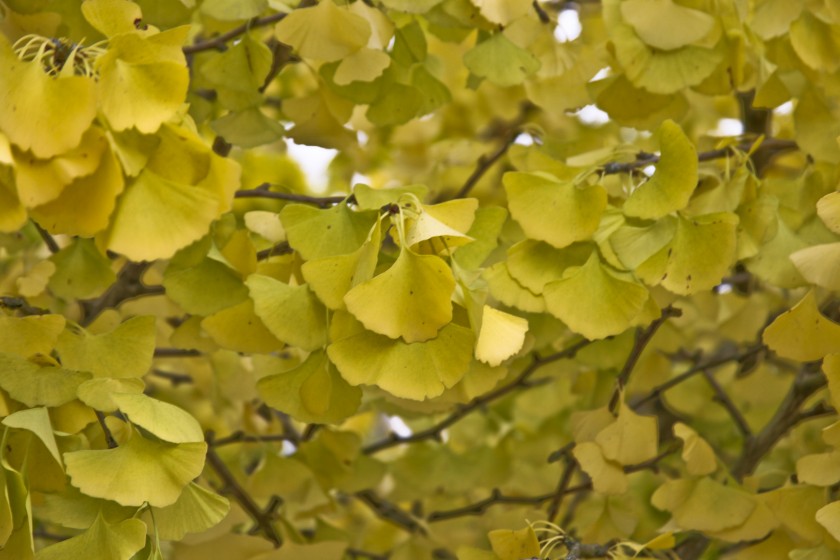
434	432
176	353
643	337
563	484
49	241
241	437
390	512
263	520
109	437
723	398
128	285
219	41
263	192
175	378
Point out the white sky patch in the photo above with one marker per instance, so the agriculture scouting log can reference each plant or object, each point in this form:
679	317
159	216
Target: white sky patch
592	115
359	178
723	288
728	127
399	427
313	161
287	448
568	26
785	108
601	74
524	139
362	138
649	170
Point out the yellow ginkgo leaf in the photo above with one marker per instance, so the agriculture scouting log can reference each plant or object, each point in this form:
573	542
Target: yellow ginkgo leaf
828	209
166	421
666	25
364	65
819	469
607	476
415	371
698	455
514	545
12	211
155	217
36	385
81	271
142	80
802	333
411	300
40	113
536	200
819	265
533	264
703	504
501	61
292	313
99	392
195	511
449	220
112	17
101	541
829	517
501	336
324	233
37	421
324	32
124	352
630	439
239	328
507	290
312	392
816	42
502	11
594	301
138	471
673	182
26	336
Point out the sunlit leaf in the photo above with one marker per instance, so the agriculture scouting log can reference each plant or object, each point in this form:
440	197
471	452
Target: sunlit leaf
292	313
102	541
664	24
37	421
501	61
630	439
36	385
324	233
239	328
124	352
508	544
324	32
696	452
607	476
99	392
166	421
195	511
803	333
703	504
26	336
500	337
138	471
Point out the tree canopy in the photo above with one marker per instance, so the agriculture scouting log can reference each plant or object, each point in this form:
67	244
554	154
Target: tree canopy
570	289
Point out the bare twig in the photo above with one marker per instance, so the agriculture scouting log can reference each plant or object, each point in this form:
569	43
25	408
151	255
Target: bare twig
242	437
263	192
264	521
176	353
219	41
390	512
109	437
723	398
127	286
460	412
563	484
49	241
175	378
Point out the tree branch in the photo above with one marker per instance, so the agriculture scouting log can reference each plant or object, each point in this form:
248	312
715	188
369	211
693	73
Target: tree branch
463	410
219	41
109	437
723	398
390	512
49	241
127	286
241	437
263	520
263	192
176	353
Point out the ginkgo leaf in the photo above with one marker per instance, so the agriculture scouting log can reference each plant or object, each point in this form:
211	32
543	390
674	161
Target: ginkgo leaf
630	439
509	544
675	178
164	420
500	337
72	509
485	231
317	233
195	511
26	336
138	471
312	392
828	209
411	300
829	517
559	213
364	65
415	371
124	352
703	504
666	25
607	476
534	264
227	11
155	217
292	313
265	224
449	220
142	80
594	301
324	32
816	42
369	198
507	290
81	271
803	333
112	17
819	265
698	455
99	392
502	11
101	541
43	114
36	385
633	245
501	61
697	258
37	421
819	469
239	328
239	72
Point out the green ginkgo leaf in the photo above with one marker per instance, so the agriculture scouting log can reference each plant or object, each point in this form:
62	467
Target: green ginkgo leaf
558	212
164	420
324	233
501	61
324	32
239	328
673	182
124	352
510	545
74	510
36	385
703	504
81	271
142	80
37	421
803	333
292	313
369	198
99	392
138	471
102	541
195	511
595	301
415	371
533	264
26	336
633	245
507	290
411	300
312	392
